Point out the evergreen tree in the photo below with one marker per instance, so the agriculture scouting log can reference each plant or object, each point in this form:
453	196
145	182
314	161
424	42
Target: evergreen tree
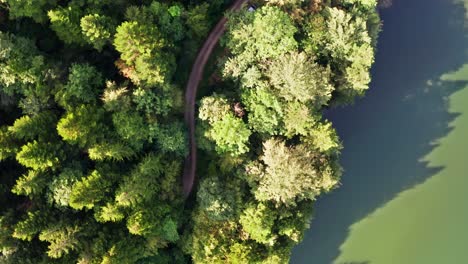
97	30
38	155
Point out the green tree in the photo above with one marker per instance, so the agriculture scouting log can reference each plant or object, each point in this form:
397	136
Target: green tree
298	78
171	138
39	155
229	132
153	220
265	34
218	199
265	111
31	184
62	239
65	21
60	188
83	86
31	127
97	29
21	64
315	33
298	119
124	248
140	46
146	180
31	225
110	212
83	126
350	48
153	102
258	221
90	190
288	174
113	151
231	135
213	108
366	4
197	20
35	9
131	128
8	145
324	138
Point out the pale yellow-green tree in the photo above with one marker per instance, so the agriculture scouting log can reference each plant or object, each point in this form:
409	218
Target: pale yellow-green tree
288	174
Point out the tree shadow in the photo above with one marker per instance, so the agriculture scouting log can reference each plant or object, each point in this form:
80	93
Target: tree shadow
387	133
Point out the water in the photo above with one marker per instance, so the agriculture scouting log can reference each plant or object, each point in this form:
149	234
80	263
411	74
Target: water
404	192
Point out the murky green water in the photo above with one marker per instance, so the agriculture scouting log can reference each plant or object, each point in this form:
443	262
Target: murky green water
404	198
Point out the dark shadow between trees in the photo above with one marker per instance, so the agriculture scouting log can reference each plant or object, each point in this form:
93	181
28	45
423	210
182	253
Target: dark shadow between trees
387	133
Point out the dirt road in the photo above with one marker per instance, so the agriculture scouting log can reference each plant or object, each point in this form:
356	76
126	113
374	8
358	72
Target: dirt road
191	93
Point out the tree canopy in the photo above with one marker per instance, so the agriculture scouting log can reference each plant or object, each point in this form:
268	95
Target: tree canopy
93	142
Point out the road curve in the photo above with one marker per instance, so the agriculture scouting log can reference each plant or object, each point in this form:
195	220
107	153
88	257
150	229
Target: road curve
191	93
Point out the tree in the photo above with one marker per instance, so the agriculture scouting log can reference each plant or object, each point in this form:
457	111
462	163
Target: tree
90	190
171	138
218	199
140	46
39	155
344	33
115	97
266	34
153	102
197	20
84	82
21	64
288	174
97	30
113	151
30	127
83	126
294	3
31	184
142	183
228	131
62	237
298	77
65	21
365	4
110	212
213	108
231	135
8	145
153	220
298	119
29	227
131	128
315	34
60	188
124	248
258	221
152	175
350	48
265	112
167	18
34	9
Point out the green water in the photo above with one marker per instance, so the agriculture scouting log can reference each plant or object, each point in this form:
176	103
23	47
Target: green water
428	223
404	198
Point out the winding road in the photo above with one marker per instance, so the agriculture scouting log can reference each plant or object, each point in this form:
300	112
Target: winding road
191	93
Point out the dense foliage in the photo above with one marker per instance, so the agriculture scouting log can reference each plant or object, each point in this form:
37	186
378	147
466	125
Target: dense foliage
92	139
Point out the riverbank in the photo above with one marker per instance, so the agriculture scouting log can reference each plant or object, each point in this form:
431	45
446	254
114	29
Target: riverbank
386	137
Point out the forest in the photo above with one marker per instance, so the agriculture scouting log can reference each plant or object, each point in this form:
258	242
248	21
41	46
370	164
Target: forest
93	139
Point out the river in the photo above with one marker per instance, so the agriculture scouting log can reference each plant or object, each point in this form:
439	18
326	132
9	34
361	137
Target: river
404	193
